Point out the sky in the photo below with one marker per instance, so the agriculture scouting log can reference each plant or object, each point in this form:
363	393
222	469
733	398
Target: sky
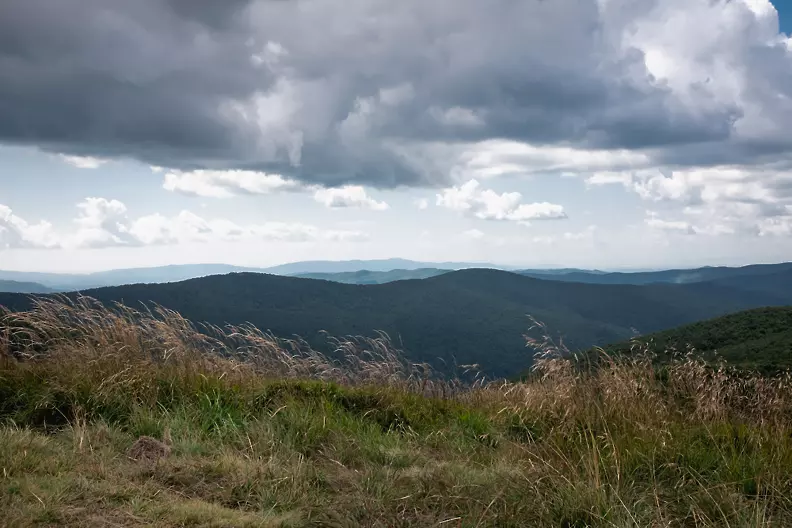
610	134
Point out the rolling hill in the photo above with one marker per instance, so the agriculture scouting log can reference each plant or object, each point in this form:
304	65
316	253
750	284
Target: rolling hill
375	272
676	276
462	317
759	339
769	283
178	272
350	266
375	277
23	287
80	281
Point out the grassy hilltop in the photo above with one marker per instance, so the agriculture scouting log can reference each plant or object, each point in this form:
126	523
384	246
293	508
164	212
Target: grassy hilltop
249	430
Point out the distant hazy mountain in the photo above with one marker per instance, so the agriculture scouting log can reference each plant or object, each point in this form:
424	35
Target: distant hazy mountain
374	277
22	287
346	266
71	282
367	270
468	316
163	274
50	280
762	282
559	271
678	276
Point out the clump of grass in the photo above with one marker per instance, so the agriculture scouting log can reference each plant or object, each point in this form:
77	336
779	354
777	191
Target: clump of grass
267	432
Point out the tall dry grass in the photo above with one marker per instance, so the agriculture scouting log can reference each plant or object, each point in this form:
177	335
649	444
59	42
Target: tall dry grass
113	344
686	387
120	346
116	343
582	441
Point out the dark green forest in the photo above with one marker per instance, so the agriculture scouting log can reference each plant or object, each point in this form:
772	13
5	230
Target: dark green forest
374	277
474	316
675	276
759	339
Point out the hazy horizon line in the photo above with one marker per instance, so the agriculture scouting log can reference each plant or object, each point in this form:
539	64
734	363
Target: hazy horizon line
428	264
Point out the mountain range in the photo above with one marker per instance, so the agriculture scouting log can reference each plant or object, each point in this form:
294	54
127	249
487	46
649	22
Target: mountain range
459	317
384	265
80	281
674	276
362	272
375	277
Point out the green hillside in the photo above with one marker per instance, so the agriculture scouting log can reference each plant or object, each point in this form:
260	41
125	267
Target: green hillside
757	339
374	277
674	276
475	316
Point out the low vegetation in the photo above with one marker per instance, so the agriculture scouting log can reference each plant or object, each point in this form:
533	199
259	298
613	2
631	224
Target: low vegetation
125	418
759	339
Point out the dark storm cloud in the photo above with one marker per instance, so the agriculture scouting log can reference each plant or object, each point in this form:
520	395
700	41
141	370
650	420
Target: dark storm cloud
327	91
212	13
143	79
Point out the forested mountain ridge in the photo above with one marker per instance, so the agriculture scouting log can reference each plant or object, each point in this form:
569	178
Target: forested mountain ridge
758	339
375	277
12	286
674	276
463	317
376	271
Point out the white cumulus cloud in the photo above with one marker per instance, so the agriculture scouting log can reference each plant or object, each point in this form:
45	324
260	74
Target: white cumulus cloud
223	184
348	196
104	223
101	223
487	204
17	232
717	200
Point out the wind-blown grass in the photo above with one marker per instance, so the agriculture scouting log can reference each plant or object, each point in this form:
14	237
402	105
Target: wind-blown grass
267	432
